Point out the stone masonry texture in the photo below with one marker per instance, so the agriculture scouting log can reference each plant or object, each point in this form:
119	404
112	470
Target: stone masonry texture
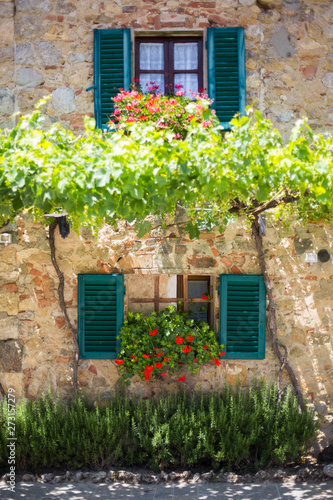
46	49
37	348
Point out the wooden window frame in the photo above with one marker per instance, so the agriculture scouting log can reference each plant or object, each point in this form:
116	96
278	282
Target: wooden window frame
169	72
182	292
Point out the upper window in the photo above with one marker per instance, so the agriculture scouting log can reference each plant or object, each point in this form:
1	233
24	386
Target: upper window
170	63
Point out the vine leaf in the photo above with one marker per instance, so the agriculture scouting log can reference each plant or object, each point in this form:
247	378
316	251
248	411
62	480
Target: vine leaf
144	228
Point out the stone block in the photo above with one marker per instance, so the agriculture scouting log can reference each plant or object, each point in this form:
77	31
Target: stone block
130	8
63	100
309	72
57	32
9	328
285	116
6	54
12	380
27	27
29	77
46	53
25	54
9	303
236	373
33	5
76	58
6	10
6	105
65	7
328	80
328	31
48	288
6	32
282	42
267	4
247	3
10	356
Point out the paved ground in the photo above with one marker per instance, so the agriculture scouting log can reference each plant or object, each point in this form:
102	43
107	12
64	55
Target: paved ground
118	491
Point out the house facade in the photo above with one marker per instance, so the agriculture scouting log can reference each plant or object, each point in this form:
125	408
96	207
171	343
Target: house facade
274	56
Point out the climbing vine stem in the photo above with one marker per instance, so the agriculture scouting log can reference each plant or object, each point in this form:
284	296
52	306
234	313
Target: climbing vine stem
272	326
61	285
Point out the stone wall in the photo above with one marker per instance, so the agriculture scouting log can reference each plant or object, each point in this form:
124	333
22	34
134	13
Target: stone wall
289	47
46	48
36	348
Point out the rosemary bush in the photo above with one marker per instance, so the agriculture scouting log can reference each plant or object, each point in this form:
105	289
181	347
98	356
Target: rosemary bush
225	430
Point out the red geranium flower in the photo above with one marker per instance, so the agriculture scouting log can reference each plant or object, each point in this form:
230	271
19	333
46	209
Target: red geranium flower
146	355
222	353
204	296
186	348
181	379
205	346
190	338
159	365
167	359
149	368
179	340
153	332
163	374
195	360
119	361
216	362
159	354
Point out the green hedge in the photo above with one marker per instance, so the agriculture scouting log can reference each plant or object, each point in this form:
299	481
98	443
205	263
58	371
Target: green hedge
221	430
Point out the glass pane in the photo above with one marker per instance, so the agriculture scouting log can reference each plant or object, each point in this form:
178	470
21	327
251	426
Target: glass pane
147	80
151	56
186	55
189	82
199	312
197	288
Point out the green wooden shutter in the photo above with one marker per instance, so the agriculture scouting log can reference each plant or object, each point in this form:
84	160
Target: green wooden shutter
112	70
100	314
243	316
226	72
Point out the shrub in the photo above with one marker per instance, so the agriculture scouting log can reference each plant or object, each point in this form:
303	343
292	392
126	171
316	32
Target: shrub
221	430
155	345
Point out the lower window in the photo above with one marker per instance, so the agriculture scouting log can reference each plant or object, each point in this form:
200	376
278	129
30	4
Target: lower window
241	309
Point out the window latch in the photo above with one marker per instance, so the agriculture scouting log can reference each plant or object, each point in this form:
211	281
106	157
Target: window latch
91	88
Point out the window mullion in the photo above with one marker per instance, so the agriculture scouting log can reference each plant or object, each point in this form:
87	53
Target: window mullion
157	293
170	66
185	292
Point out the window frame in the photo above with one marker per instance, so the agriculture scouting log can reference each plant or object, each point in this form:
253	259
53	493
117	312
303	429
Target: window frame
182	295
169	72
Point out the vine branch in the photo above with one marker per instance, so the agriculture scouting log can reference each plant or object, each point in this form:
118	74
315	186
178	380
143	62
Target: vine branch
272	326
2	391
60	275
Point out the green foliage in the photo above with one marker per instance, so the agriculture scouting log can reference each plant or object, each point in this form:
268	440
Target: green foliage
155	345
229	430
98	178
